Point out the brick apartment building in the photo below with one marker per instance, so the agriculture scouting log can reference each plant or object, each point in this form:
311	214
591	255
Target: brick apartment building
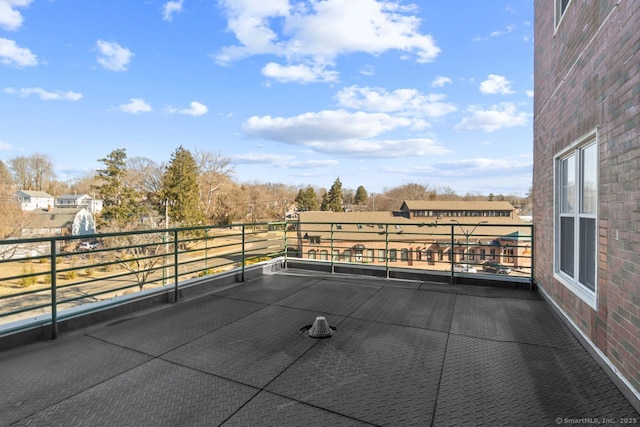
419	235
586	173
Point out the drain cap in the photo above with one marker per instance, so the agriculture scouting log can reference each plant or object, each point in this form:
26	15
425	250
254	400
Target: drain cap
320	328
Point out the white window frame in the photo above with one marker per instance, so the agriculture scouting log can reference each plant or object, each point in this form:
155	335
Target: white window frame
558	13
573	283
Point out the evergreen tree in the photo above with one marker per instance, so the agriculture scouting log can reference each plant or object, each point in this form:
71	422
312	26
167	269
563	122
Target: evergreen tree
361	195
180	189
120	204
332	200
306	199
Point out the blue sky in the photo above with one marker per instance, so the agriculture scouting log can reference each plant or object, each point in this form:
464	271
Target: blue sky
379	93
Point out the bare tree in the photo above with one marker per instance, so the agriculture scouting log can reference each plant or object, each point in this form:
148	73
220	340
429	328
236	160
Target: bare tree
21	173
33	172
42	170
10	211
215	176
145	176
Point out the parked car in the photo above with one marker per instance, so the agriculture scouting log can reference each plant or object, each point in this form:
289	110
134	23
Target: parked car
87	246
495	267
464	268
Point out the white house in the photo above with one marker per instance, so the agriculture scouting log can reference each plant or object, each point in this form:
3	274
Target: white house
32	200
78	201
59	222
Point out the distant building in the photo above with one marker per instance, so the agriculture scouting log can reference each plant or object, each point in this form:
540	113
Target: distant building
59	222
419	235
586	173
32	200
79	200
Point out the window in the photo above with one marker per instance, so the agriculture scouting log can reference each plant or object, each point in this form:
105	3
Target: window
381	255
483	255
324	255
393	255
314	240
311	254
404	255
561	7
347	255
370	254
339	226
472	254
336	255
576	214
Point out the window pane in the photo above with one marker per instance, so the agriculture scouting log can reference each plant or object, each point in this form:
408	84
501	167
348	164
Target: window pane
568	177
589	179
567	234
587	260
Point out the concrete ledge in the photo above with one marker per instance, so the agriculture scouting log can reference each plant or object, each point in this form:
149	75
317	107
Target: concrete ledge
506	281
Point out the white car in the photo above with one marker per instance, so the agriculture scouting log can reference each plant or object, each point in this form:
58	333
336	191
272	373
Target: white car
464	268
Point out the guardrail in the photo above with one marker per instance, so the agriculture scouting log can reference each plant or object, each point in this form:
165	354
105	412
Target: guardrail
452	249
42	277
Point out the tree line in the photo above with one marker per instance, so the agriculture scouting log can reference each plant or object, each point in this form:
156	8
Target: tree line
193	188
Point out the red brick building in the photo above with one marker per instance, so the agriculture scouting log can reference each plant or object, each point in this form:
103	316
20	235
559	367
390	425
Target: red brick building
586	173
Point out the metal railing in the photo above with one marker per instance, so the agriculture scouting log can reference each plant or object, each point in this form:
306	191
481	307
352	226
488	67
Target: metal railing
44	280
39	277
451	249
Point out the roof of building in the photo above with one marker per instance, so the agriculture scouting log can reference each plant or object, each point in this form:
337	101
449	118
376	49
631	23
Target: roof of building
72	196
56	218
39	194
366	226
455	205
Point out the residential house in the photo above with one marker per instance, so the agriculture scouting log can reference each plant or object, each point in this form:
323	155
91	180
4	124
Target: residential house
59	222
586	173
422	234
79	200
32	200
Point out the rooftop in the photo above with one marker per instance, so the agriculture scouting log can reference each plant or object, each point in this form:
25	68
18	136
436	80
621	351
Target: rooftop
403	352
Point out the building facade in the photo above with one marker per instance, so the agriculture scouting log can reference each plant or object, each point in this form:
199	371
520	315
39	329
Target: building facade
586	188
32	200
430	235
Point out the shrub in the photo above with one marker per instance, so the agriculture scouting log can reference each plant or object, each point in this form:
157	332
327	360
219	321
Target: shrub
25	282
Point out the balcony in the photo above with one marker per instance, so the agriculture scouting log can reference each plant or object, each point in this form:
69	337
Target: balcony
231	348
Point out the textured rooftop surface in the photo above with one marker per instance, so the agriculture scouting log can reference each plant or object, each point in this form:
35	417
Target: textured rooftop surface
403	353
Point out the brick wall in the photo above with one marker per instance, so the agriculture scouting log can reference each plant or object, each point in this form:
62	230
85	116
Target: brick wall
587	75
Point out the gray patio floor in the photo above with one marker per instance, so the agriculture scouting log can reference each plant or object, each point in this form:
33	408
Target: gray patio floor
404	353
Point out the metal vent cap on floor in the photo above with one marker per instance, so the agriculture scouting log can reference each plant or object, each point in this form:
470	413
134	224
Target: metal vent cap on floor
320	328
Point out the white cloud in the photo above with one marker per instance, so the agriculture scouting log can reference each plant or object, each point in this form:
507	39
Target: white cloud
170	8
368	70
281	161
135	106
328	125
405	101
10	18
298	73
440	81
14	55
195	109
5	146
496	33
113	56
56	95
529	93
503	115
320	31
496	85
343	133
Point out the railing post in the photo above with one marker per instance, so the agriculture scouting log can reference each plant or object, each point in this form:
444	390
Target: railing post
285	242
175	265
54	292
243	256
531	258
386	250
452	254
332	256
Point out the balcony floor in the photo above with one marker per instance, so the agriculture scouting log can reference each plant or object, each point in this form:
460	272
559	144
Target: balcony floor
403	353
